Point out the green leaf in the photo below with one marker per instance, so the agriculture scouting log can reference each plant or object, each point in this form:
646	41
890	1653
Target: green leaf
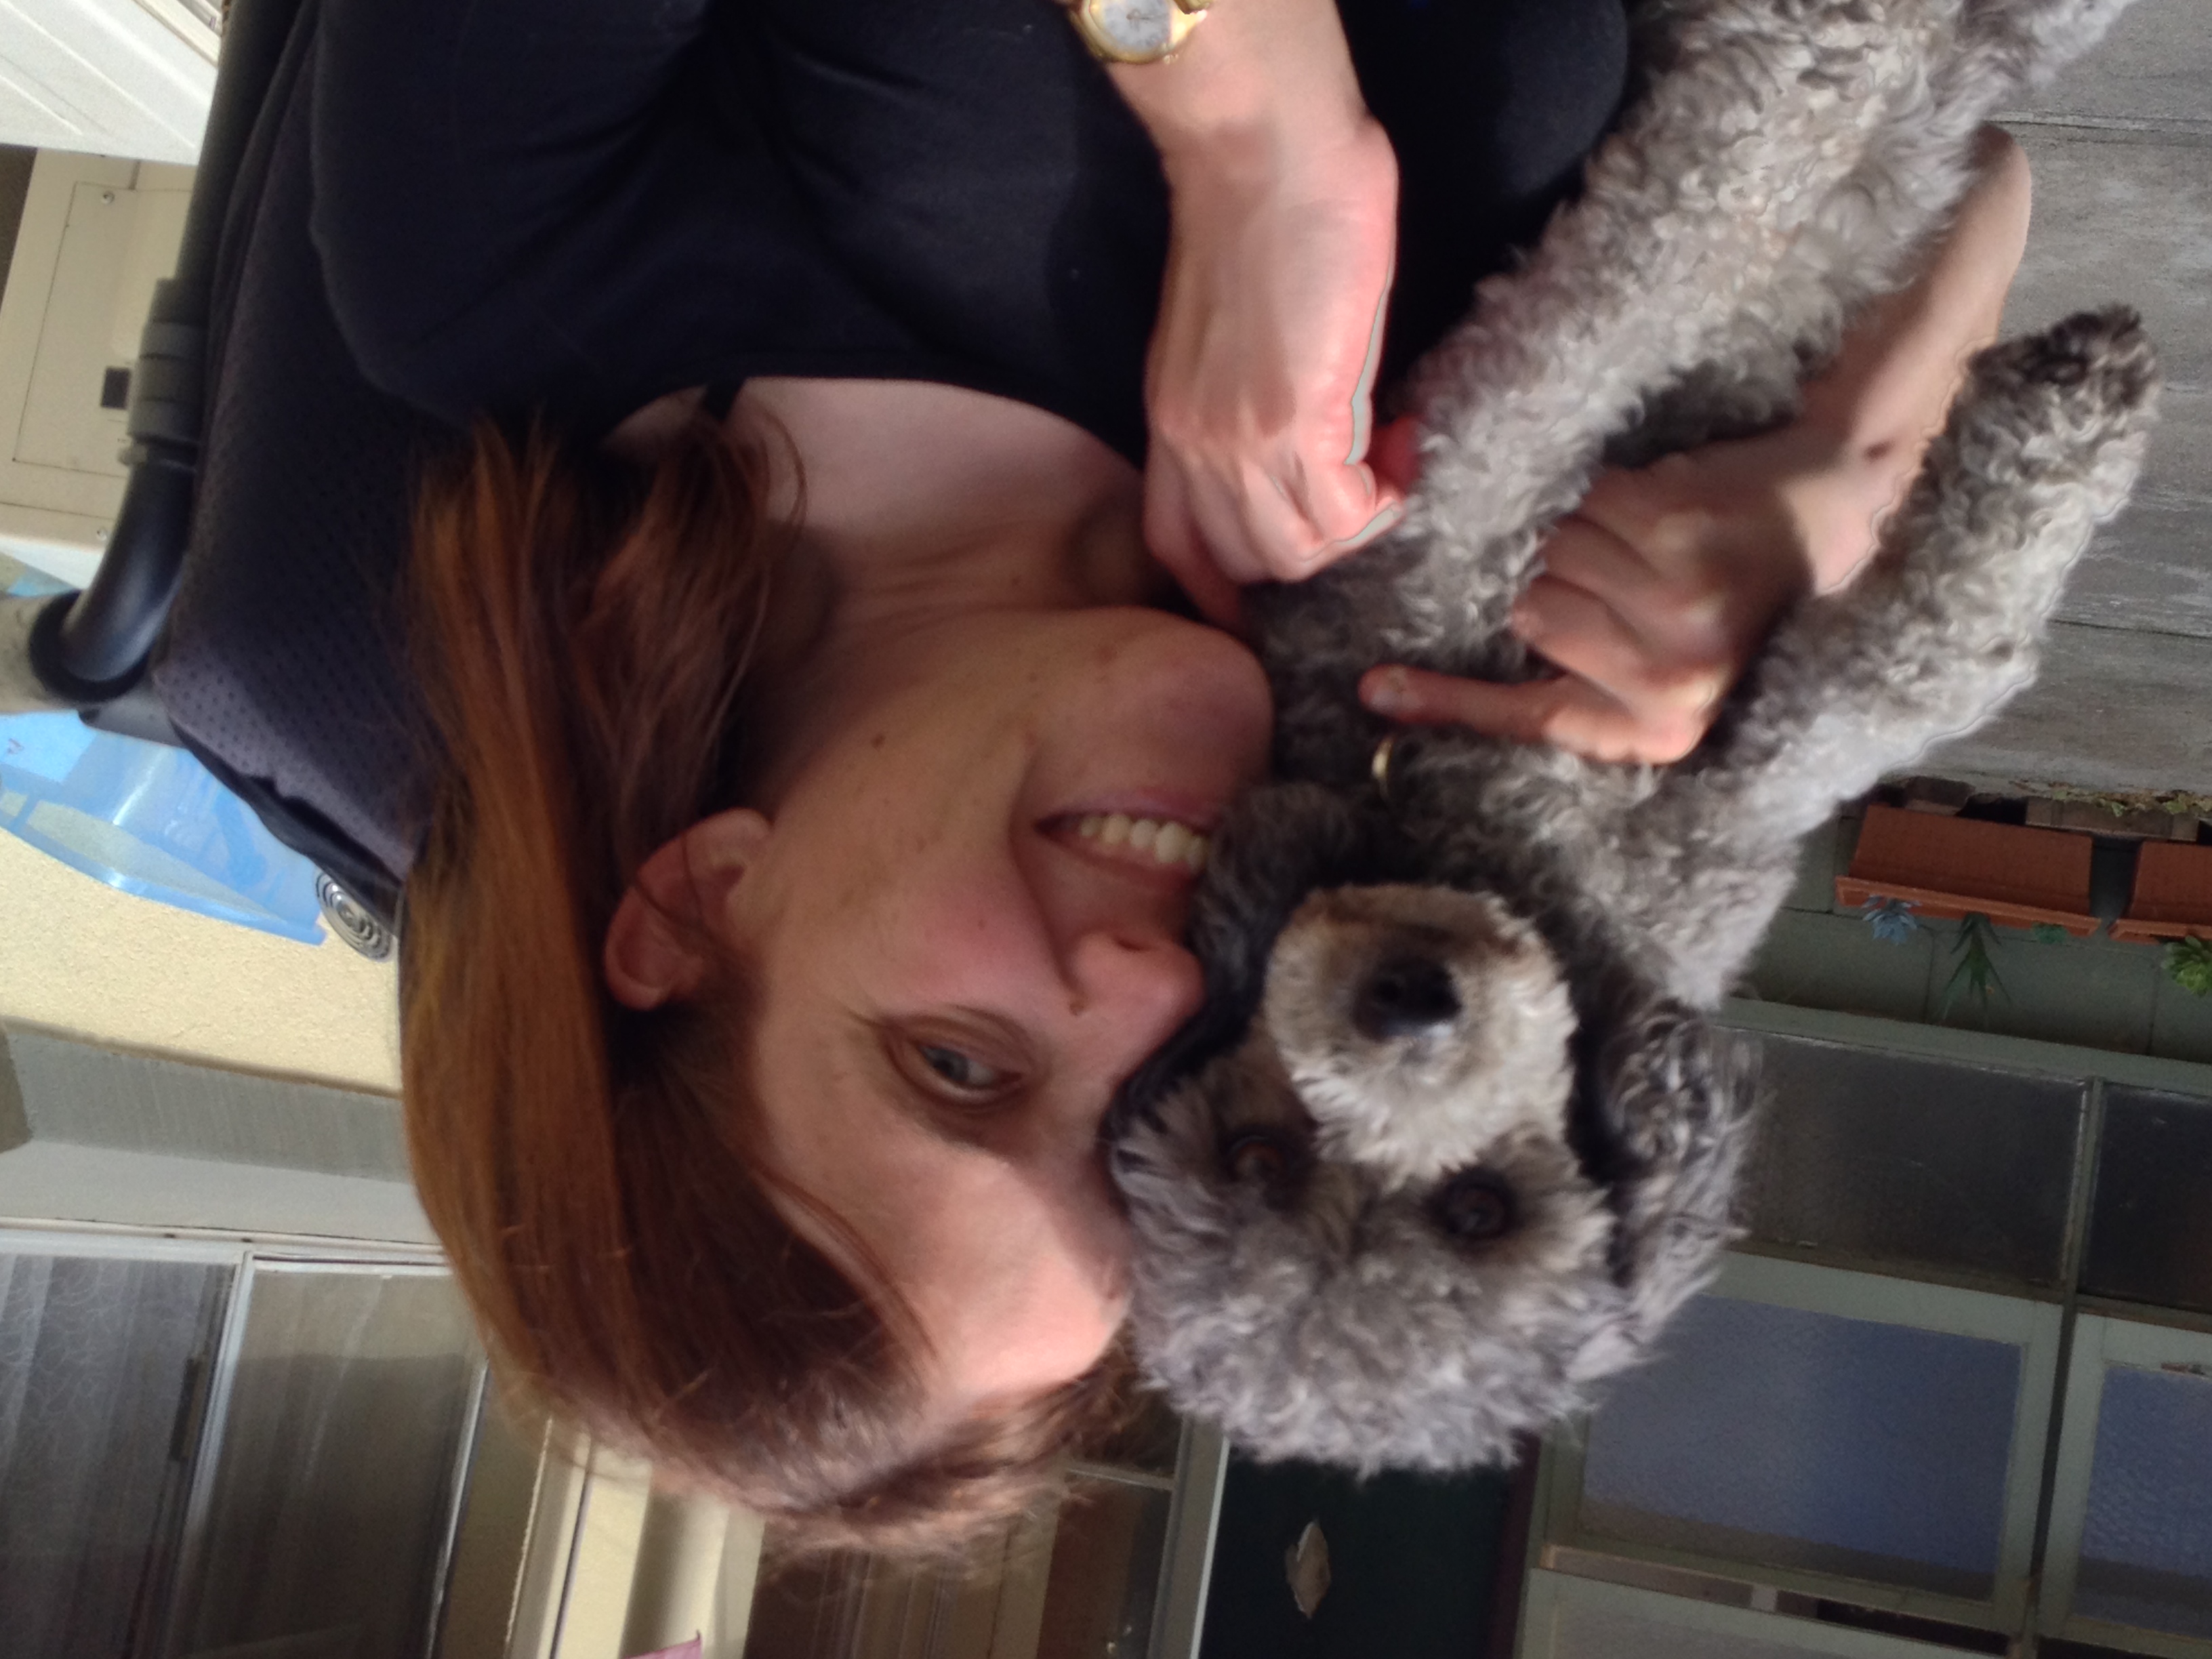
2189	964
2047	933
1975	970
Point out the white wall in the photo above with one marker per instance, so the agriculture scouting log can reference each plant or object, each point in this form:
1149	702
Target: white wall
118	77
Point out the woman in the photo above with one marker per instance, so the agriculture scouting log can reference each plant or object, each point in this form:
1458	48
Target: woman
824	779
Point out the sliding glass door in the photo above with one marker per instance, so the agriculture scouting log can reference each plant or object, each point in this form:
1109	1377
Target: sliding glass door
210	1449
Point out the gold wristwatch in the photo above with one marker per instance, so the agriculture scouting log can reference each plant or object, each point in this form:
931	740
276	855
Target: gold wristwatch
1134	31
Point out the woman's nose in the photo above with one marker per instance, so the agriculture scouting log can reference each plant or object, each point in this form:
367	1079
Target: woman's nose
1133	988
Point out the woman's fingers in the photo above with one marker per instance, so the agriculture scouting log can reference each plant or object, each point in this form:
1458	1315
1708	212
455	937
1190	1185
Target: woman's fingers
1395	455
1349	506
1584	553
1568	712
1576	631
1254	524
1224	510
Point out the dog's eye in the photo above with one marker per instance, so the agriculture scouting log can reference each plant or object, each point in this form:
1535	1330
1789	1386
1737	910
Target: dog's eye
1263	1158
1473	1205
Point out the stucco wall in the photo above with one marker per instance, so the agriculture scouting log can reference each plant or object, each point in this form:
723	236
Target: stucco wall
82	959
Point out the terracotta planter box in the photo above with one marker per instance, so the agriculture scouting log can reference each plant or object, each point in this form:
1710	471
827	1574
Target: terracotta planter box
1950	867
2173	893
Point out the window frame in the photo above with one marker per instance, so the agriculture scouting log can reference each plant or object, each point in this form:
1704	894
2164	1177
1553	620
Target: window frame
1964	1046
1548	1594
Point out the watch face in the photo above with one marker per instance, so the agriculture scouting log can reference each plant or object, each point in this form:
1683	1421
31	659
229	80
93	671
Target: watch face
1132	31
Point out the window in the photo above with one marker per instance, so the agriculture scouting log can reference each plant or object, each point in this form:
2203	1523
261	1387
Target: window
1834	1453
2131	1507
101	1359
208	1449
1118	1568
2150	1233
1822	1430
1907	1159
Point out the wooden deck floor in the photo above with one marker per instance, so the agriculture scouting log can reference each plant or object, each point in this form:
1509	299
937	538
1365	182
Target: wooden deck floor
2122	149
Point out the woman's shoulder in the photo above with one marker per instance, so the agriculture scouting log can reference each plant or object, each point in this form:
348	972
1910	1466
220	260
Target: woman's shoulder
481	171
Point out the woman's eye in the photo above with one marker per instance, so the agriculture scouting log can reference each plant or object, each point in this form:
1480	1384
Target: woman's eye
962	1071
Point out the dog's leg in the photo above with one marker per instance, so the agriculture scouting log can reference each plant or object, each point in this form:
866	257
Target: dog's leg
1676	1096
2013	46
1940	628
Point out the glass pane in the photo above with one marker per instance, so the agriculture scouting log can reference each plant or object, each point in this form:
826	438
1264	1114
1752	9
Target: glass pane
1904	1159
2150	1230
1417	1563
334	1480
1148	1440
96	1357
1776	1437
807	1608
2147	1539
1585	1632
1105	1570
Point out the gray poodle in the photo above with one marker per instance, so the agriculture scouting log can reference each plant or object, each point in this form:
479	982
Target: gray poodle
1454	1134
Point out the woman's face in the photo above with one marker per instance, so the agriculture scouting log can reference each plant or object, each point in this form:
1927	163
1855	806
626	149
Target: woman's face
955	978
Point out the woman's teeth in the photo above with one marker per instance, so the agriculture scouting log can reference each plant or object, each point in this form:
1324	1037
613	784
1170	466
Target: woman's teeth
1161	840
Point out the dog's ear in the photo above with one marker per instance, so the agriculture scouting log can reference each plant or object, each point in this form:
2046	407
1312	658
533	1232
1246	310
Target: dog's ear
1669	1122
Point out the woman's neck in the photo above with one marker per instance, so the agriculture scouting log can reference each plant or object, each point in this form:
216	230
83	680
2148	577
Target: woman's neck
917	503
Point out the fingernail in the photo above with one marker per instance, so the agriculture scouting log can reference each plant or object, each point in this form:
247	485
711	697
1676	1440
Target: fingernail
1387	692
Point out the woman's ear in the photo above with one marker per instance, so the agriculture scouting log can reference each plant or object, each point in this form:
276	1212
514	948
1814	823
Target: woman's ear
660	941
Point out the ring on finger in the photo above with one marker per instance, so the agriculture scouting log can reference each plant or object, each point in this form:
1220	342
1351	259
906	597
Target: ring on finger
1378	767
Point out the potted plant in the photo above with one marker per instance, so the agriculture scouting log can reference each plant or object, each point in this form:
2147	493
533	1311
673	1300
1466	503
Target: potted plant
1953	868
2172	896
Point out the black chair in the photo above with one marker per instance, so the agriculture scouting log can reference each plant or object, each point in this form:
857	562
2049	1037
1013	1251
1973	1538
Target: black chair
246	606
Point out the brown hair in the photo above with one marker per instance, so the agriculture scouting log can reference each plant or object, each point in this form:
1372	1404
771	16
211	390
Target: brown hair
584	627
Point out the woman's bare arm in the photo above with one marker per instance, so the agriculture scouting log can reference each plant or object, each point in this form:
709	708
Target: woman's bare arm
1284	218
1657	591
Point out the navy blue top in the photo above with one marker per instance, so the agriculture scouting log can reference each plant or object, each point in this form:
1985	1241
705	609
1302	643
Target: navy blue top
577	205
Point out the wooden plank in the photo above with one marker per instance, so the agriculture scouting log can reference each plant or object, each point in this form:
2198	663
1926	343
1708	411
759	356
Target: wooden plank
2115	709
2125	216
2155	66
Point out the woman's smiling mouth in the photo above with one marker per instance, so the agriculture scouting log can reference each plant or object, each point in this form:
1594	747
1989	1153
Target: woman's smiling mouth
1161	843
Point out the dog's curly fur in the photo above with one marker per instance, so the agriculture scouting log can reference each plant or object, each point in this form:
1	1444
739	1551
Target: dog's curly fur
1454	1134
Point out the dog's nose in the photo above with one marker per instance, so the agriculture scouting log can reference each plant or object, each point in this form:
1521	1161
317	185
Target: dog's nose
1404	997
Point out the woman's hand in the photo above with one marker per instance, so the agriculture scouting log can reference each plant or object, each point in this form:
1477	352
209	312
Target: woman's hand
1657	590
1259	386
